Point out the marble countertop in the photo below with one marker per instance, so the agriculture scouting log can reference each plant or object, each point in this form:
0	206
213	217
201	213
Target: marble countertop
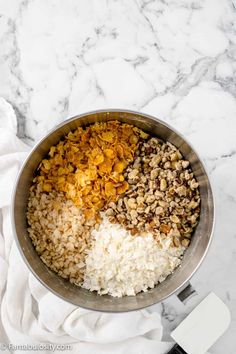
173	59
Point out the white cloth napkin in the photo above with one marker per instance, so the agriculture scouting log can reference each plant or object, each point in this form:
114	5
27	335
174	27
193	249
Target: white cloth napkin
30	314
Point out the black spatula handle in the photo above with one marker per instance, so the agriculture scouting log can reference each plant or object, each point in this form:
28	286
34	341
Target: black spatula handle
176	350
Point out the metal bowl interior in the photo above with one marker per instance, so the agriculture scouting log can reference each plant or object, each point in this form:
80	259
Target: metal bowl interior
81	297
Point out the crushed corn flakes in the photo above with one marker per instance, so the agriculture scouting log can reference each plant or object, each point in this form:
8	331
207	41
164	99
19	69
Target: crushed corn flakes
88	164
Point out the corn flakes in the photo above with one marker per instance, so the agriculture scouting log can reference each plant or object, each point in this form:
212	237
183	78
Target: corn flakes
88	164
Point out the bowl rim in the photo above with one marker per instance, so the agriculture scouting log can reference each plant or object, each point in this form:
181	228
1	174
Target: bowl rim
180	287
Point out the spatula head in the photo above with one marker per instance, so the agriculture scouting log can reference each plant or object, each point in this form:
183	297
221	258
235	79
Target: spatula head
203	326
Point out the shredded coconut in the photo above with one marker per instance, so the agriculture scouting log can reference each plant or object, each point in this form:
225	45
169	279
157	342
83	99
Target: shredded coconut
120	264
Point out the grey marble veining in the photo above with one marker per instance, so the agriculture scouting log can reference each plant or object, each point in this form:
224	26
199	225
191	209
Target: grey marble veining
172	59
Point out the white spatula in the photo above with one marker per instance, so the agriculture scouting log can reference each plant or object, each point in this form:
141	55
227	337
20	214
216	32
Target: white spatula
202	327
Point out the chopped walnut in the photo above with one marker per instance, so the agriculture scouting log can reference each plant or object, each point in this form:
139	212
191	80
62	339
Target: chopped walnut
163	196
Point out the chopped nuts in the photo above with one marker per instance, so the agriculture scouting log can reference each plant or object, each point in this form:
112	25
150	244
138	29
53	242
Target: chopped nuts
150	199
185	242
174	219
185	164
159	210
164	228
154	173
176	241
132	203
193	184
163	185
181	191
133	174
162	188
140	200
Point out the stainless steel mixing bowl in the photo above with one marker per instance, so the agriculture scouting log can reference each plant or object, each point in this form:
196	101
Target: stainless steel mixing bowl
81	297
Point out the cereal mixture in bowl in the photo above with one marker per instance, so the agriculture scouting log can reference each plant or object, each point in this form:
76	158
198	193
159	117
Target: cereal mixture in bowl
113	209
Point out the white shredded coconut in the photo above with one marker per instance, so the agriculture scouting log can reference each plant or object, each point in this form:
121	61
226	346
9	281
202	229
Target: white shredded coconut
120	264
